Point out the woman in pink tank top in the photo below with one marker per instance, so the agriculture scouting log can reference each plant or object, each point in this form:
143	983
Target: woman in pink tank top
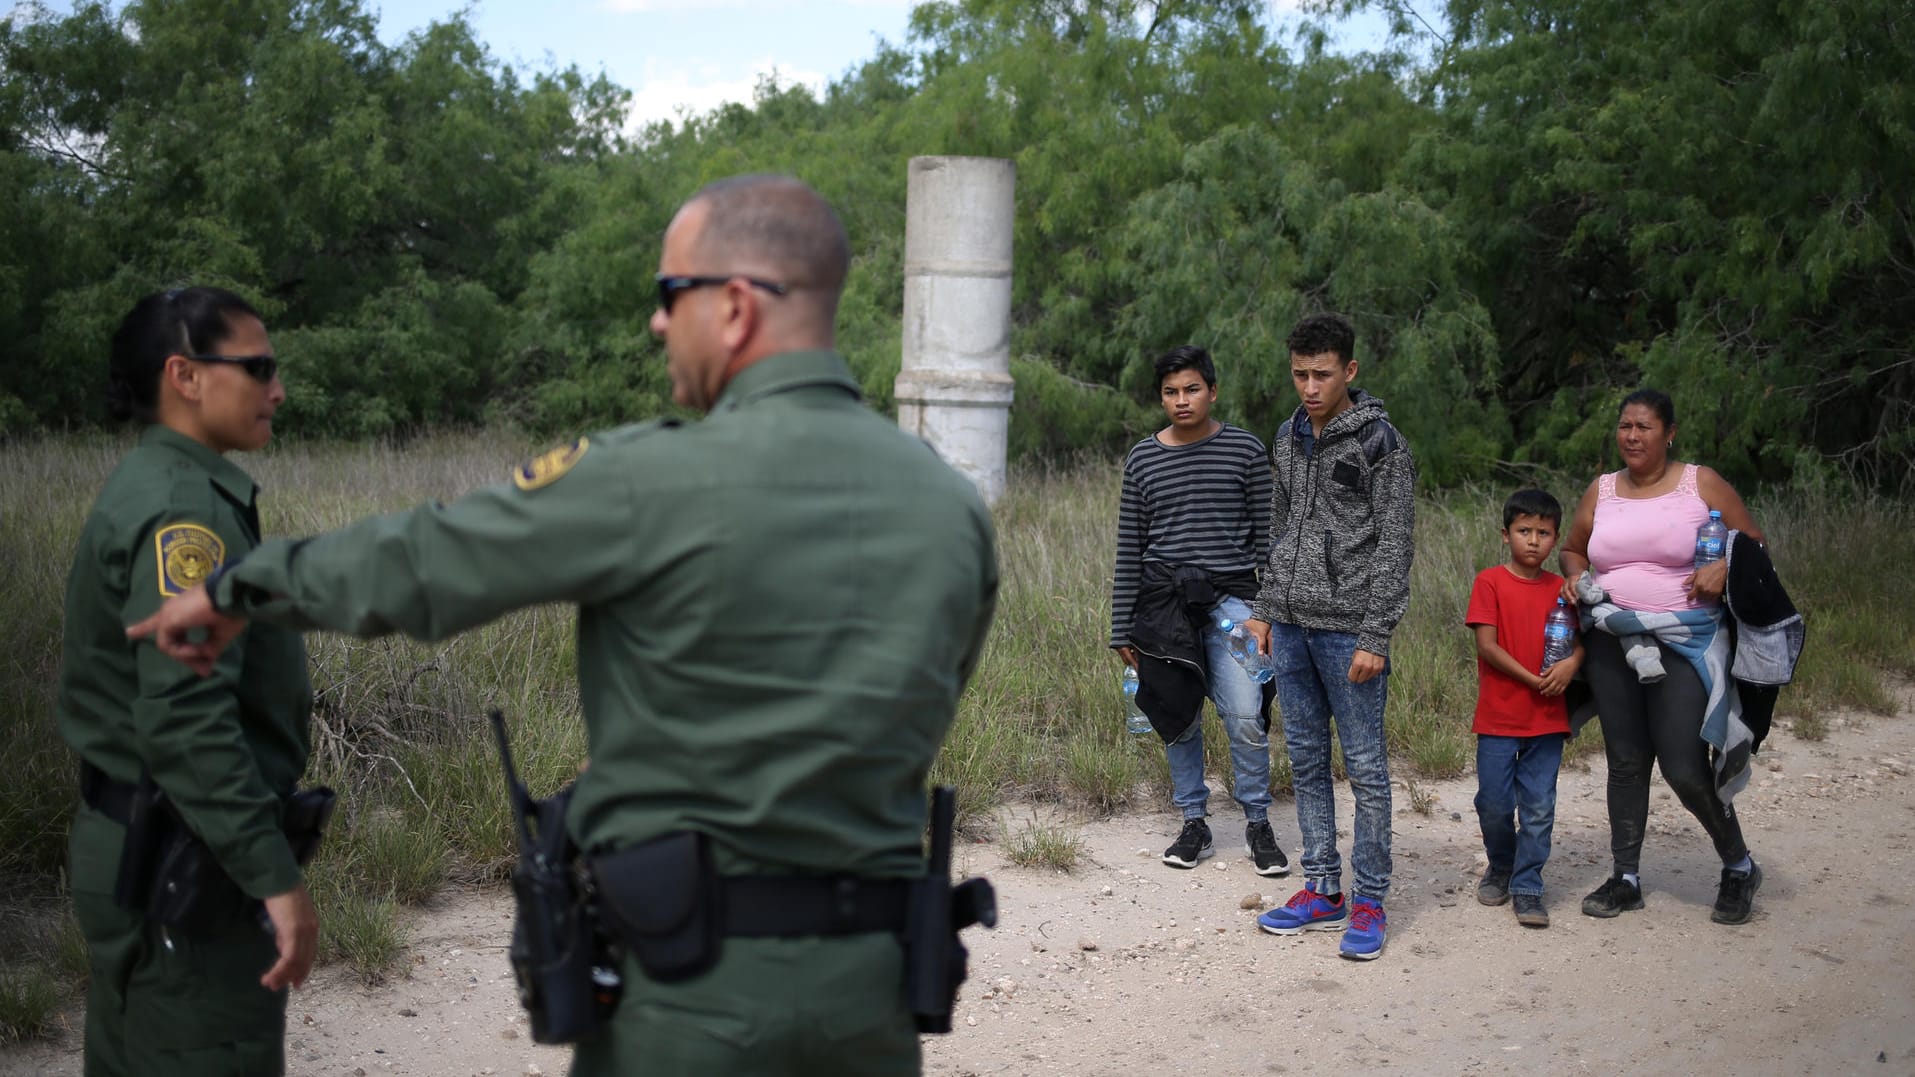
1636	529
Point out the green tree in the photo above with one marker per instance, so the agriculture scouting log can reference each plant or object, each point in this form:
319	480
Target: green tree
1704	196
381	204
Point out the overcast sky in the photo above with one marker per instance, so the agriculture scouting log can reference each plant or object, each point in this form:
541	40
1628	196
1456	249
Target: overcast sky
688	54
673	54
692	54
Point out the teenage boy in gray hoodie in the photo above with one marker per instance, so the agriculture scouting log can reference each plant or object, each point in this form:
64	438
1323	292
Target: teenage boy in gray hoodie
1341	523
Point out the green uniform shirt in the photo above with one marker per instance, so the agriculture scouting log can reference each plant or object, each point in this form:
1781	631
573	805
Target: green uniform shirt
778	608
227	749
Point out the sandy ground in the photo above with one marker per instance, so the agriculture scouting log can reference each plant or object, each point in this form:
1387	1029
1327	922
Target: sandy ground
1125	966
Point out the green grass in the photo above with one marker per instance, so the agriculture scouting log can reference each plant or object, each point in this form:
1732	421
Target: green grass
359	928
1043	845
382	852
399	728
30	1001
43	965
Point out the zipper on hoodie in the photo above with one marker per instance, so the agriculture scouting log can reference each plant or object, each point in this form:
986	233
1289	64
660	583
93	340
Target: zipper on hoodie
1309	506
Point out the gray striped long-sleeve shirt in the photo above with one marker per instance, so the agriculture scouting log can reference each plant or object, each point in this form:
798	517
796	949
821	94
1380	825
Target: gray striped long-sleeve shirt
1206	504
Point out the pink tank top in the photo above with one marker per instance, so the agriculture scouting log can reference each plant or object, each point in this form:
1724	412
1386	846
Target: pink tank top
1643	548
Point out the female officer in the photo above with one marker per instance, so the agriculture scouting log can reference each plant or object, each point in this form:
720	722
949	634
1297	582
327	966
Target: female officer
196	369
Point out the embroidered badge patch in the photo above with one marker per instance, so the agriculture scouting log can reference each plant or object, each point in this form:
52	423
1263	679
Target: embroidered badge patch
188	553
549	468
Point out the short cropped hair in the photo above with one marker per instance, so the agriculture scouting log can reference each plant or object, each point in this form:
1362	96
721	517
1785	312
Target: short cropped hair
778	222
1186	357
1321	333
1533	503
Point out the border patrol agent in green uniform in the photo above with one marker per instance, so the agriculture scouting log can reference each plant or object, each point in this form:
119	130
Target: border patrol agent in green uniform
778	609
225	750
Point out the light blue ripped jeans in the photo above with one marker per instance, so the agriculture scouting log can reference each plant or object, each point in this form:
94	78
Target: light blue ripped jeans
1238	700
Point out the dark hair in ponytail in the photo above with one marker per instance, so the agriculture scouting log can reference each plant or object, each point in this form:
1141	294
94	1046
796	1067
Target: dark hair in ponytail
185	321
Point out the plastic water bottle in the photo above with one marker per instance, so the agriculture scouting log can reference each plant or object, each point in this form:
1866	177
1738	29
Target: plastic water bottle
1243	648
1135	721
1559	635
1712	538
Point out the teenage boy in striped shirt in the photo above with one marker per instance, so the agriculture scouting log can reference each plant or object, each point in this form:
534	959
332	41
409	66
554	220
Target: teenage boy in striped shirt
1196	502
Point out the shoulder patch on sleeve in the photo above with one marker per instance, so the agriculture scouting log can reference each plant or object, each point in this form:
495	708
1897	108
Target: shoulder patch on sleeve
551	467
187	554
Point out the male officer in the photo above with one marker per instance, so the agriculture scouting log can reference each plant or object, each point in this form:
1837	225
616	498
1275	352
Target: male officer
778	608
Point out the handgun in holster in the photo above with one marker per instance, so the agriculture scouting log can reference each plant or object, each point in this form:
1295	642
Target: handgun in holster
936	962
566	971
172	877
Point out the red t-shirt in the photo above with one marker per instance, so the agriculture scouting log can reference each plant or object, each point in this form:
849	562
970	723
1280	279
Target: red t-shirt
1517	608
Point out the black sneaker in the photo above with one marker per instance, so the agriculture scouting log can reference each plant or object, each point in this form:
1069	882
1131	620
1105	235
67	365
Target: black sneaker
1618	895
1261	843
1192	845
1735	897
1494	889
1530	911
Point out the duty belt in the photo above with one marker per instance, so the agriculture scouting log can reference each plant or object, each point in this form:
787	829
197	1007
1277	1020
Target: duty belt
789	906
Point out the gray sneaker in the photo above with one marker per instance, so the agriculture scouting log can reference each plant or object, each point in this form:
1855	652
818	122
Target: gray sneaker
1735	899
1530	911
1494	889
1192	845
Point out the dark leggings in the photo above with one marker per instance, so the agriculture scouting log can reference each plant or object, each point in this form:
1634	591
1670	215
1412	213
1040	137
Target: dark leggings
1660	722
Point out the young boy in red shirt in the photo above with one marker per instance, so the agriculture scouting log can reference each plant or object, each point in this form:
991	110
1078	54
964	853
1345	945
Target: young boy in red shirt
1521	719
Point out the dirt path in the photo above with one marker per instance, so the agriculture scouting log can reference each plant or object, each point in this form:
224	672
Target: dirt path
1125	966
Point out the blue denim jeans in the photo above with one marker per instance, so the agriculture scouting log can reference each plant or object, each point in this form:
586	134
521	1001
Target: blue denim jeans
1238	700
1313	685
1516	804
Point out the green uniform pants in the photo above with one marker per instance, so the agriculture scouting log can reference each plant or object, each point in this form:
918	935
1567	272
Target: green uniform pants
773	1007
158	1010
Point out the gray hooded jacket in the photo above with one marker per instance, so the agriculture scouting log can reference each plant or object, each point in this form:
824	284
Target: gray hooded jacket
1342	522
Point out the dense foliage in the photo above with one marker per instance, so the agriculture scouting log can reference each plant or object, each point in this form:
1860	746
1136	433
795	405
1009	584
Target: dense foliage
1527	206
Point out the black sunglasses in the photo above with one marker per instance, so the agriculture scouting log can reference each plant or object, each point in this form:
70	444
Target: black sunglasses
669	287
260	368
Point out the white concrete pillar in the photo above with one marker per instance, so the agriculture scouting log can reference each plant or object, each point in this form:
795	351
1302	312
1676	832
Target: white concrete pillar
954	389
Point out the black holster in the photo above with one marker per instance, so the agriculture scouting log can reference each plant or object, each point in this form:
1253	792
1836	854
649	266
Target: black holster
662	898
168	874
935	960
565	968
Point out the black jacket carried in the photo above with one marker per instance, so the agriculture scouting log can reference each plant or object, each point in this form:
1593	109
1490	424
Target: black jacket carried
1166	630
1766	632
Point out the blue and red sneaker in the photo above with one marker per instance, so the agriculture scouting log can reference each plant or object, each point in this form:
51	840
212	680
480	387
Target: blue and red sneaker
1363	939
1306	910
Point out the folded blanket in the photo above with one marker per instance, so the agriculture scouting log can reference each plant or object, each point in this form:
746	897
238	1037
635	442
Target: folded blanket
1698	636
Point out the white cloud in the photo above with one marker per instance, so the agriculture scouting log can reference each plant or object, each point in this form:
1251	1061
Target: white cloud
691	89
